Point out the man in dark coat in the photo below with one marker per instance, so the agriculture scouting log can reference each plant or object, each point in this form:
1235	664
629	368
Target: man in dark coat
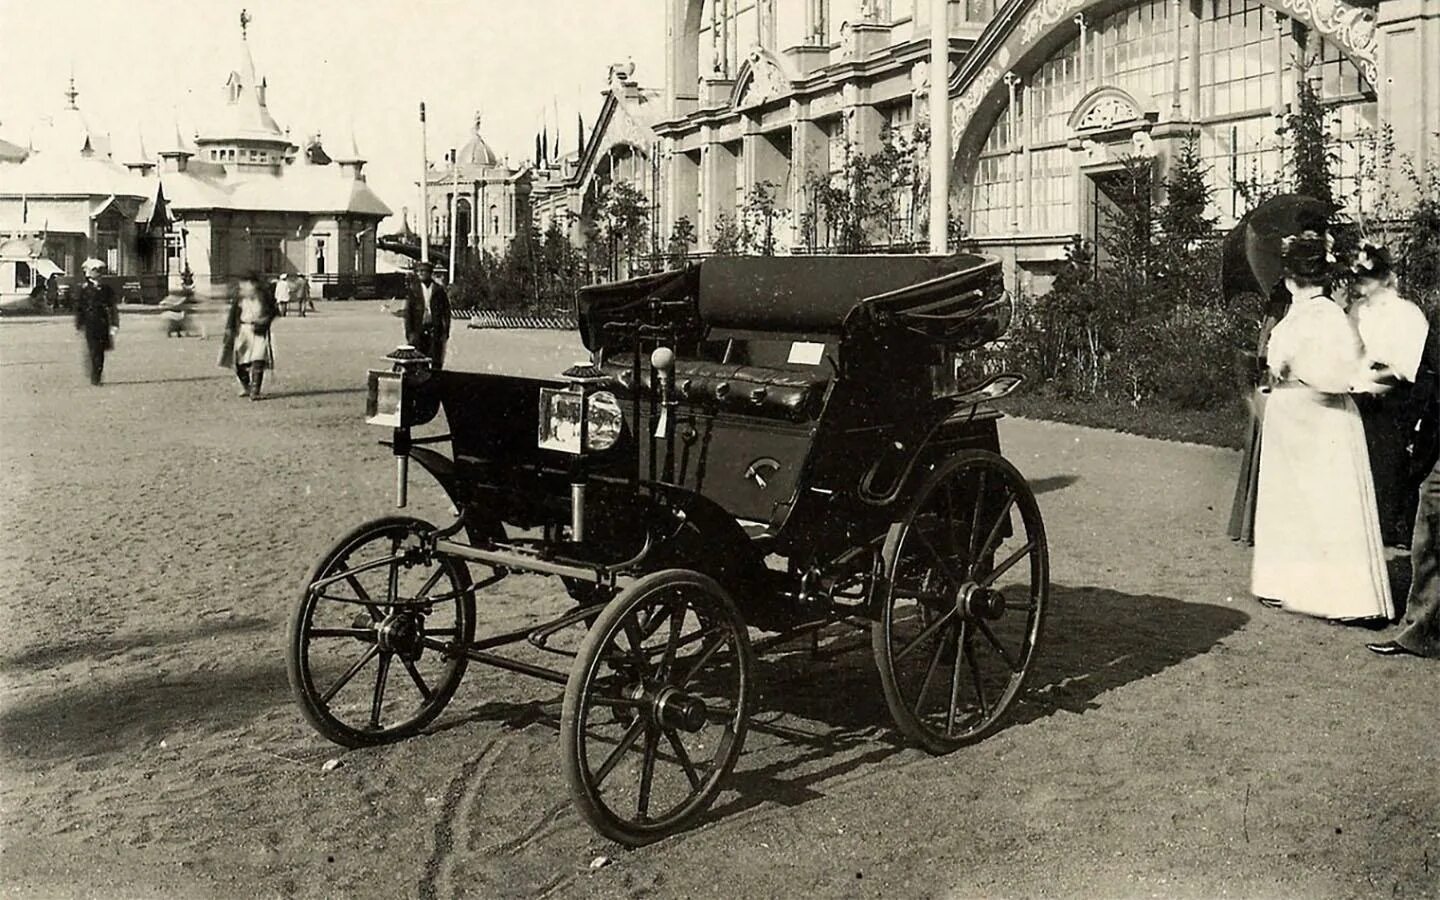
1421	634
97	316
427	315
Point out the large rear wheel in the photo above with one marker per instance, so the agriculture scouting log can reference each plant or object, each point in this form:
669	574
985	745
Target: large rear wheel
965	587
358	659
656	706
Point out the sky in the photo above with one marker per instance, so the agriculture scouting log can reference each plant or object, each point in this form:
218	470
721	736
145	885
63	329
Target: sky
332	65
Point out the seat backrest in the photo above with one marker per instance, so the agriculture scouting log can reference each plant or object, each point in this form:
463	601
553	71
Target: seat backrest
805	295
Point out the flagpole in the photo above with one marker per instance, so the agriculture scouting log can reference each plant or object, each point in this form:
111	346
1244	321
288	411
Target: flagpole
454	207
939	125
424	191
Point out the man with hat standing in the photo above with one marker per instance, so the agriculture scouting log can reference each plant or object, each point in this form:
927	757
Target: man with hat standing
427	315
97	316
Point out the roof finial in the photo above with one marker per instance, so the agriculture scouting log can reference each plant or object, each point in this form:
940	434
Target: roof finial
71	93
477	123
244	23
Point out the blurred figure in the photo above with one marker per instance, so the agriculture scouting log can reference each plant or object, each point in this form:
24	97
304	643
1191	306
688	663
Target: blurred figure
1393	331
247	345
282	294
427	315
300	293
97	317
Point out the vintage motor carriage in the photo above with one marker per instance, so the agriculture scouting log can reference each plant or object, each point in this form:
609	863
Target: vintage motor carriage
756	445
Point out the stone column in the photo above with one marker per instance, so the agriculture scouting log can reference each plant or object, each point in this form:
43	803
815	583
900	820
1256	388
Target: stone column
1409	81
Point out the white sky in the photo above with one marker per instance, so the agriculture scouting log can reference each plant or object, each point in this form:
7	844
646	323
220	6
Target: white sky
329	63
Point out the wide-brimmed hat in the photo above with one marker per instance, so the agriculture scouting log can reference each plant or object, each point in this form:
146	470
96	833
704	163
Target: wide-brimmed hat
1372	260
424	264
1306	255
92	263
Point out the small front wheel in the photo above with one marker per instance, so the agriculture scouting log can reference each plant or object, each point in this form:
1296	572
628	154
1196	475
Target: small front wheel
364	656
656	706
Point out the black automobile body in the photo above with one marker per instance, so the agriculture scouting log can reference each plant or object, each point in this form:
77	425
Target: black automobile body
773	444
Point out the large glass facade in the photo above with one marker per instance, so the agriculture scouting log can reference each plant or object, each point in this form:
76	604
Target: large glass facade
1247	70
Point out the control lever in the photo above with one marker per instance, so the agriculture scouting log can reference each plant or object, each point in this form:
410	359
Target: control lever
662	362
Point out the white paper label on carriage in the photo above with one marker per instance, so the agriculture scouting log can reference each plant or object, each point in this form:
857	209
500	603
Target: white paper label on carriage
806	353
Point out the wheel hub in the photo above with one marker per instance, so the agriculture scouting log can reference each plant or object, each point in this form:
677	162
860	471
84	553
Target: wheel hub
401	633
979	602
676	709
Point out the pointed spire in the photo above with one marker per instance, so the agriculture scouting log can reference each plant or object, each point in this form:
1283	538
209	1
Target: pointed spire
71	93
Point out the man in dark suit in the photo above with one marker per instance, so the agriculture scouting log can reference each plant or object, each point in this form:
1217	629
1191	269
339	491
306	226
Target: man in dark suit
97	316
427	315
1421	634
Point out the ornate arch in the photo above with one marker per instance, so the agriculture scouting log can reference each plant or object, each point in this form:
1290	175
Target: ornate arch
761	78
1027	32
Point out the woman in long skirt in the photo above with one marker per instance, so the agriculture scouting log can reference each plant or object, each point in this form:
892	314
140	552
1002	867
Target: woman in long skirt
248	346
1242	508
1317	532
1392	331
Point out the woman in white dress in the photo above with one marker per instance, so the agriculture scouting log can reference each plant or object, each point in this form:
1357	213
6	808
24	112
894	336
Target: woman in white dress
1317	531
1392	332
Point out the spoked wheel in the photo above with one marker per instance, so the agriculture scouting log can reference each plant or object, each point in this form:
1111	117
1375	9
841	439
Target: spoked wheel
967	582
656	706
363	656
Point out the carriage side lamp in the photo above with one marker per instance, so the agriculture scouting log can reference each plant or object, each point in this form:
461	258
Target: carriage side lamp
390	402
579	419
662	362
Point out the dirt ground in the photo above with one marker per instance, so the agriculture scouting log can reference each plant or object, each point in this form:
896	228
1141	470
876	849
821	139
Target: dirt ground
1178	740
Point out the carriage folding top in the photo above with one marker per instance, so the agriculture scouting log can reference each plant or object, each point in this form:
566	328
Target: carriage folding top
779	444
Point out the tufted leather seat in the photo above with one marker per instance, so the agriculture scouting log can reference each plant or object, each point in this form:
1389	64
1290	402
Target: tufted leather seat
794	396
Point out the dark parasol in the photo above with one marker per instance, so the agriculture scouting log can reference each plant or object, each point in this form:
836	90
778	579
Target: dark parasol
1251	255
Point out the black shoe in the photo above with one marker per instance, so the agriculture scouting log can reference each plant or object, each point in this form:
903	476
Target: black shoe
1390	648
1268	603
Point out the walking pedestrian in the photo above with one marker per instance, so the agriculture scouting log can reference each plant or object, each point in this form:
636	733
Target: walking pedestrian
97	317
300	293
248	345
282	295
427	316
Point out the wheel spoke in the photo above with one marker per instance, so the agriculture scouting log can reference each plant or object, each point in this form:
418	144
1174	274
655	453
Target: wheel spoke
364	596
973	558
939	557
677	623
394	586
341	633
415	676
637	646
1010	661
961	639
683	756
701	659
994	534
381	674
430	582
975	674
647	773
924	635
626	742
929	676
1004	567
354	670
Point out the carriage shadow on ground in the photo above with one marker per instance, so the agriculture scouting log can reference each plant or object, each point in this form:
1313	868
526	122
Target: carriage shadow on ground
830	720
821	719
